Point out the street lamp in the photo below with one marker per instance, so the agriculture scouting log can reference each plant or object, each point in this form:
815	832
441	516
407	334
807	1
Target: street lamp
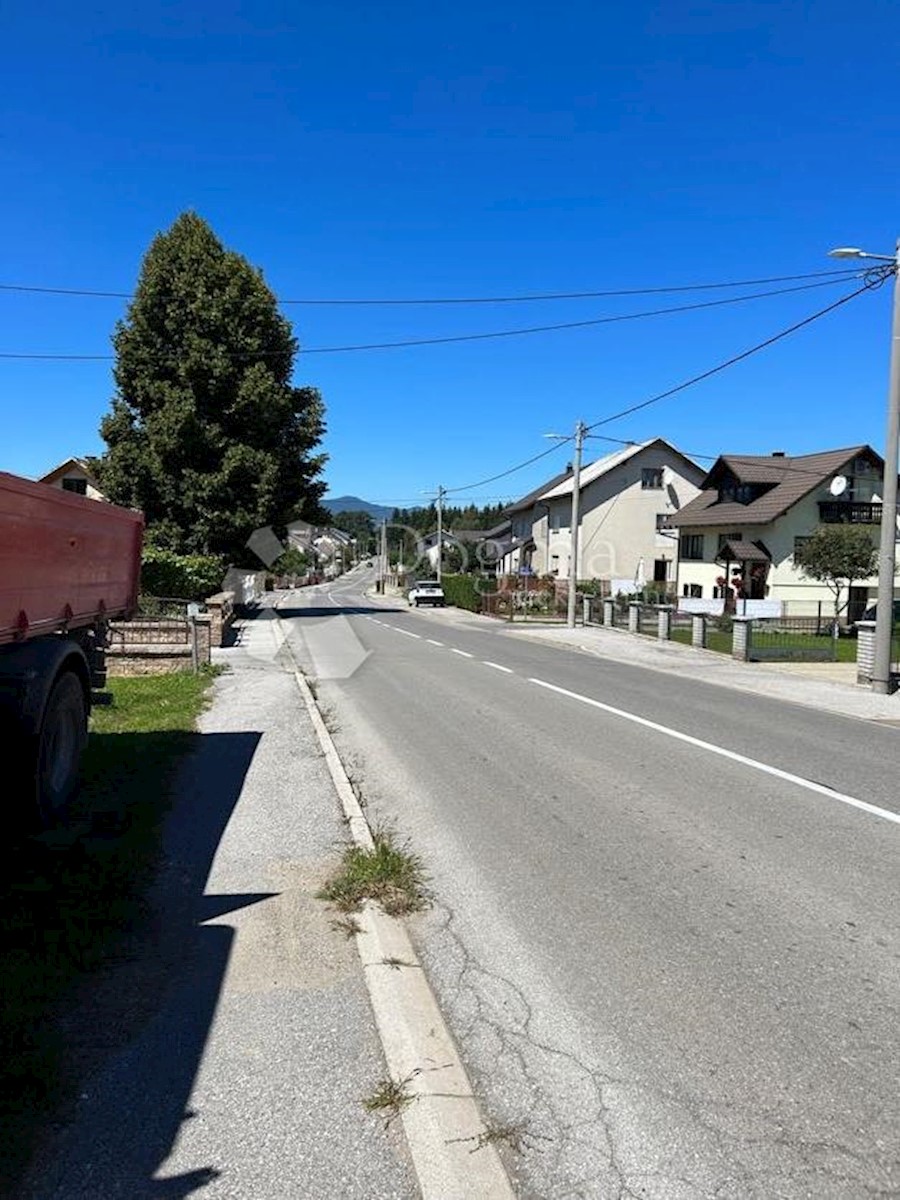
887	554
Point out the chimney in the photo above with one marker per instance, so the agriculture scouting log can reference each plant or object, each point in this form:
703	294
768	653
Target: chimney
778	454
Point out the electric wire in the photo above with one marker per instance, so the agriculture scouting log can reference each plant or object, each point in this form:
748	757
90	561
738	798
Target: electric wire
869	285
525	298
464	337
874	279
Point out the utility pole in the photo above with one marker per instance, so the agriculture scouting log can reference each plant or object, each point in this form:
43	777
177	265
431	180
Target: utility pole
887	555
382	556
882	681
440	530
580	432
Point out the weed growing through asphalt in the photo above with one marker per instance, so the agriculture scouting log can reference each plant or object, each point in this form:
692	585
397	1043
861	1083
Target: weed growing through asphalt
516	1136
389	874
390	1097
348	926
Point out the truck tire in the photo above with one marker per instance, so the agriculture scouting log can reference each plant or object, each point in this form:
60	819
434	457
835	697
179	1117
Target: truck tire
61	740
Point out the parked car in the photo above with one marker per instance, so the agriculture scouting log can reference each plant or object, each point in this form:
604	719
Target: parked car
426	591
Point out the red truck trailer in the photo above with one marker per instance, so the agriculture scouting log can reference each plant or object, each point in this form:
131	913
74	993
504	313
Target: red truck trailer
67	566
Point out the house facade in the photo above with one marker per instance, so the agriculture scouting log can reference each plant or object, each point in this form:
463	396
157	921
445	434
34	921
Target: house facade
628	512
74	476
739	538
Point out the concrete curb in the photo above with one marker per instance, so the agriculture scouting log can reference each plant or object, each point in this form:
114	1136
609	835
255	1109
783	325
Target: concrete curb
442	1123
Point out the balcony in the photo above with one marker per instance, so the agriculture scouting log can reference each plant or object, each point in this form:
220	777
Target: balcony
849	512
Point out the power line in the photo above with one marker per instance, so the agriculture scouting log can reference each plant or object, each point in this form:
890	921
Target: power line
464	337
871	283
512	470
875	279
532	329
526	298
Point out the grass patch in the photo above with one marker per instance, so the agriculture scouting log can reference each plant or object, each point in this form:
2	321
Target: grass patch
391	1096
389	874
70	897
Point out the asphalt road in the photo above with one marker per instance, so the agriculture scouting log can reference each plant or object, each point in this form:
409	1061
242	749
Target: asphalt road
664	936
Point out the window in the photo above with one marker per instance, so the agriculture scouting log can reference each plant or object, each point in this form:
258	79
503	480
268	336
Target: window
696	592
662	520
690	546
554	564
79	486
734	536
799	543
660	570
651	479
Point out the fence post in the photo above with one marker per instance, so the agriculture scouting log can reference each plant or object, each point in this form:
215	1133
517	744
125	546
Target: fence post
741	638
634	617
585	610
195	644
698	631
664	623
865	651
609	612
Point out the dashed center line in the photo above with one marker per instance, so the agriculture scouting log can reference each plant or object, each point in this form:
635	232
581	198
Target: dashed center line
407	633
461	653
497	666
433	642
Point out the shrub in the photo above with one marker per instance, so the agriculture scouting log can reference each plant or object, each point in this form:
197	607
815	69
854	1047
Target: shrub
465	591
186	576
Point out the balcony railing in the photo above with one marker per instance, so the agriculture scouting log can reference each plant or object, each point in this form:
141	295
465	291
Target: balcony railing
849	512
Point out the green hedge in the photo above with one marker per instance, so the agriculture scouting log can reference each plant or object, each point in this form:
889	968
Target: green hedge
465	591
185	576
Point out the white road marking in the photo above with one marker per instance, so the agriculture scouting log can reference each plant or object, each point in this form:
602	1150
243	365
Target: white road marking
432	642
461	653
755	764
407	632
497	667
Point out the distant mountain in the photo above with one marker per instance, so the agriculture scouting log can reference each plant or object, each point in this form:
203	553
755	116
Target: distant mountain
339	504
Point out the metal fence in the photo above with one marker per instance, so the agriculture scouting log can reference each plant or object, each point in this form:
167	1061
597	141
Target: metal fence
795	639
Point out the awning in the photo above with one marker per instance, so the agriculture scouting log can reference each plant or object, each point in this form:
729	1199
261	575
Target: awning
741	552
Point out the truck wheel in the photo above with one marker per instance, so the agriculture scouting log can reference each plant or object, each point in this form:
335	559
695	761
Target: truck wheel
62	739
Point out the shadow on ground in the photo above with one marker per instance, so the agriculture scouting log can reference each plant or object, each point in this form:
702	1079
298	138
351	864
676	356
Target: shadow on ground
336	610
110	977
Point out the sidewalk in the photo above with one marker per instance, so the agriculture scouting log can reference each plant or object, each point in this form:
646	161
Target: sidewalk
246	1077
831	687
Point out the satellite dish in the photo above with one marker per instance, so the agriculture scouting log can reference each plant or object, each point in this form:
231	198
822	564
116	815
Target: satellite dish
876	499
838	485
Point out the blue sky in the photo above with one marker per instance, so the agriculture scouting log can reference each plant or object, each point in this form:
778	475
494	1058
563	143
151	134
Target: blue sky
448	150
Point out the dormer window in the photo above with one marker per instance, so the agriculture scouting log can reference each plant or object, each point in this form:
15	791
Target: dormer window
742	493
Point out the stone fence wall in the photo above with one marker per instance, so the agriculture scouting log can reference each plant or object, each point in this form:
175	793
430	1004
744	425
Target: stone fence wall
158	646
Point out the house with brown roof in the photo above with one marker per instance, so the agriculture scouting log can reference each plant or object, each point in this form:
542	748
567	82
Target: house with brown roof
738	538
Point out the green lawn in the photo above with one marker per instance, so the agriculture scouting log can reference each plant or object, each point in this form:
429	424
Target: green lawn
69	896
721	642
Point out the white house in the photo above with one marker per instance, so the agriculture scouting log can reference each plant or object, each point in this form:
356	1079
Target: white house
755	511
628	512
